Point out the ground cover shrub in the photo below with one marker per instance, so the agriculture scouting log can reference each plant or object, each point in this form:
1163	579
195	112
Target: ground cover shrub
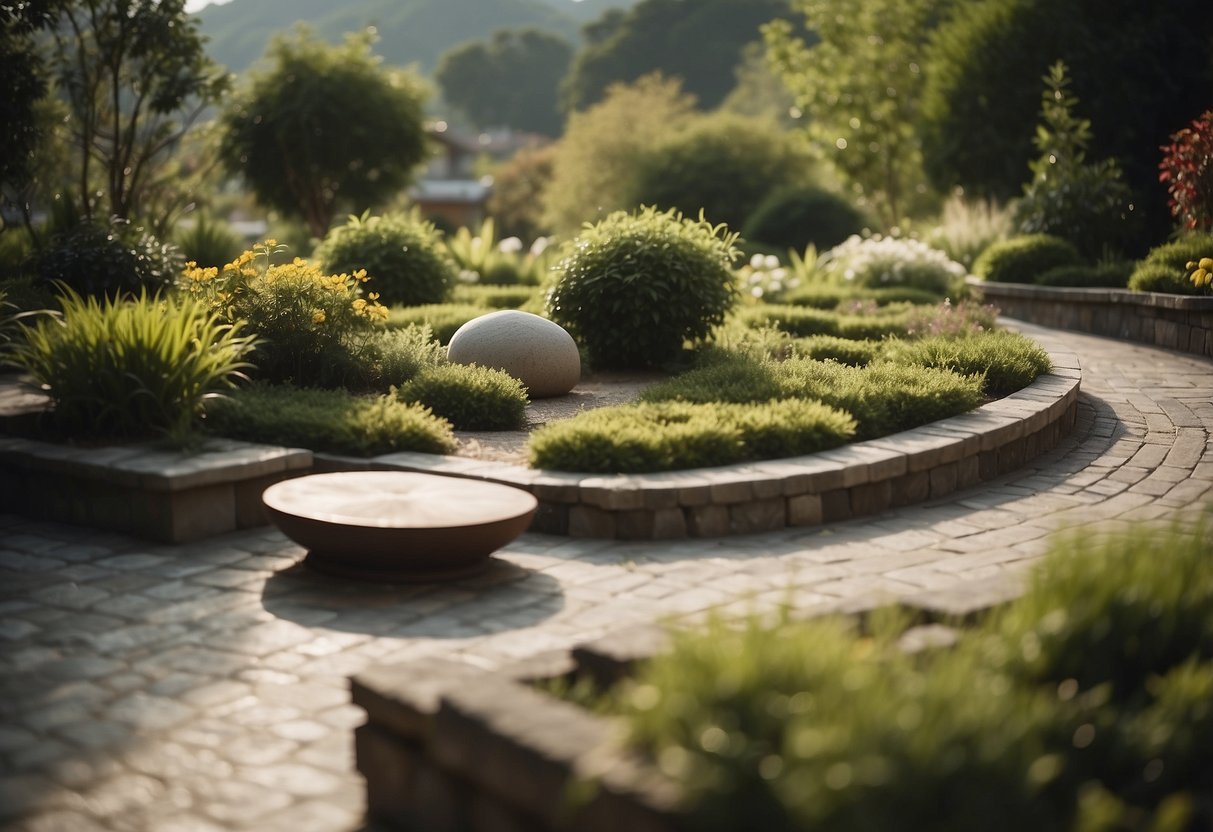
131	368
828	296
856	353
883	397
443	319
673	435
1165	268
799	321
468	396
1111	275
1005	361
115	258
495	296
1084	705
402	255
1024	258
635	286
331	421
309	322
880	261
949	318
799	216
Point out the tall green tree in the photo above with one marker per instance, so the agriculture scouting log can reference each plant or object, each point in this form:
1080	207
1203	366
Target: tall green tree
859	86
135	79
510	80
697	41
324	128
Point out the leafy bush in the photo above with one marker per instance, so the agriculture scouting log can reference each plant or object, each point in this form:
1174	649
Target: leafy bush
1084	705
1111	275
1025	258
309	321
402	255
722	165
634	287
1187	168
1087	203
675	435
330	421
1165	269
796	217
444	319
208	242
890	261
843	350
470	397
113	259
1007	361
130	368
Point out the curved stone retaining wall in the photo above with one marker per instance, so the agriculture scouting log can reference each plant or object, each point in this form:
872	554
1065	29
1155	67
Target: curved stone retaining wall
1177	322
862	478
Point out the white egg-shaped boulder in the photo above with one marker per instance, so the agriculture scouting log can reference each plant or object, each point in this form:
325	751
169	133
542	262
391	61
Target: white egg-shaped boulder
537	352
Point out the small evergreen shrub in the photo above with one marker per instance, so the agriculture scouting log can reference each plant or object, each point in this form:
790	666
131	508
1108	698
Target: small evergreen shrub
309	322
676	435
796	217
1024	259
131	368
469	397
1113	275
1165	268
402	254
634	287
331	421
1006	361
843	350
393	356
880	262
111	259
728	377
443	319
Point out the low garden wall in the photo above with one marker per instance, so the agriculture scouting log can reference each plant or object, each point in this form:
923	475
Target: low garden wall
1176	322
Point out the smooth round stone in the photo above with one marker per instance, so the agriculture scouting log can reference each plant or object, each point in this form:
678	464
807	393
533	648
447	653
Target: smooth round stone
398	526
537	352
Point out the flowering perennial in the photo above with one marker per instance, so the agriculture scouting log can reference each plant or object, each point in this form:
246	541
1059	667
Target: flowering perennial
890	261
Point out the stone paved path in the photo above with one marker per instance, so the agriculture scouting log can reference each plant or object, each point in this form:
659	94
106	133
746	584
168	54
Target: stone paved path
204	687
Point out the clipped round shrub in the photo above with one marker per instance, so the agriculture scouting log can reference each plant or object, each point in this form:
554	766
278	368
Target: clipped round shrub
798	217
675	435
1114	275
95	259
1006	361
470	397
886	262
1165	269
635	286
331	421
402	254
1025	258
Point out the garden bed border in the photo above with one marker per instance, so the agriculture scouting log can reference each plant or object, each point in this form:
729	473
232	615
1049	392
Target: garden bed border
859	479
1177	322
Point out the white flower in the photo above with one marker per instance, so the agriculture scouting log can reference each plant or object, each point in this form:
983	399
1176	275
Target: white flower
510	245
540	245
468	276
756	291
756	261
771	262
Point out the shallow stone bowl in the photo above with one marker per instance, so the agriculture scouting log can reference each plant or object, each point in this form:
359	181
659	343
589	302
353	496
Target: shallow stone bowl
397	526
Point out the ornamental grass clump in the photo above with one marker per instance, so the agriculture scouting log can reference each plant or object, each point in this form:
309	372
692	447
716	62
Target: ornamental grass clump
309	322
401	254
331	421
1086	704
880	261
469	397
633	288
669	436
131	368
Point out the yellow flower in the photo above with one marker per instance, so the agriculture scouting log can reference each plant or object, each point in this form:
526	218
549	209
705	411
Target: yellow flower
318	316
1206	263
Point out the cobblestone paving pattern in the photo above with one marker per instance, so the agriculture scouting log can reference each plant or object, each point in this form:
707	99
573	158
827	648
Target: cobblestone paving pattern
204	687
